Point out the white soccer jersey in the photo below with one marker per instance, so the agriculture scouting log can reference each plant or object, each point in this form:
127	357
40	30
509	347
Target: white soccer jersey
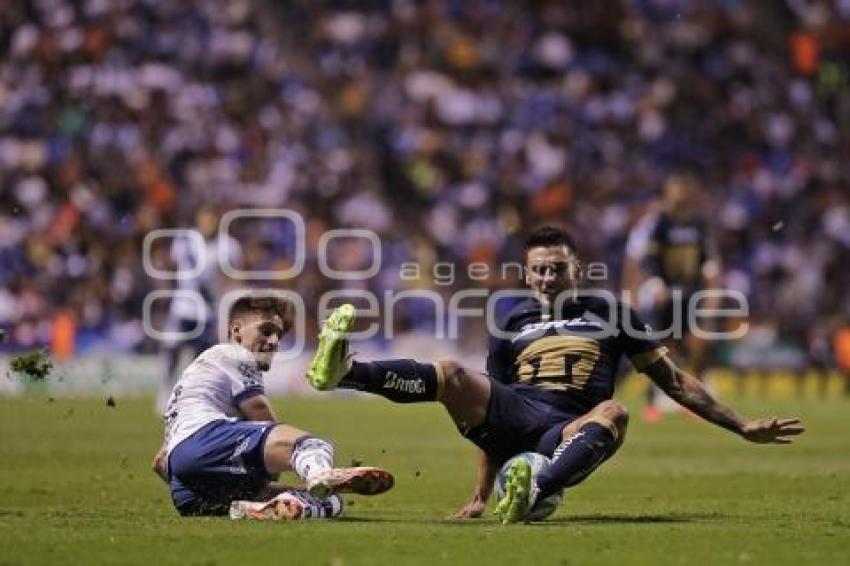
211	389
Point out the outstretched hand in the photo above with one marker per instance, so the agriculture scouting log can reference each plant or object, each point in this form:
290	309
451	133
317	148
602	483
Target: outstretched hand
471	510
158	465
772	430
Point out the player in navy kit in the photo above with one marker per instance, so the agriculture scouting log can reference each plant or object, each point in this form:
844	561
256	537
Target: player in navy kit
551	367
680	260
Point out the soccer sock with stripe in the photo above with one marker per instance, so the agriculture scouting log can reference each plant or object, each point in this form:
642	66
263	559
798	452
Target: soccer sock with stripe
576	457
402	381
311	455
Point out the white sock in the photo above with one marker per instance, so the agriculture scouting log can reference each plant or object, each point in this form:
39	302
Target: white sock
310	456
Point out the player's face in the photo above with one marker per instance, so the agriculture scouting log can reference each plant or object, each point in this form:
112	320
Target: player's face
679	196
550	271
261	334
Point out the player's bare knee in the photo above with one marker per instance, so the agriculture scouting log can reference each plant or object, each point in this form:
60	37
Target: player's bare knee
464	393
278	445
615	412
276	457
454	376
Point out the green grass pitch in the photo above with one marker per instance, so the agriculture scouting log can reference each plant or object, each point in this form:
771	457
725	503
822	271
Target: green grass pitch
75	488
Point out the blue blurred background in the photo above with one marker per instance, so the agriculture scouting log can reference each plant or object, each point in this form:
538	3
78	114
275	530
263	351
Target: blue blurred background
447	127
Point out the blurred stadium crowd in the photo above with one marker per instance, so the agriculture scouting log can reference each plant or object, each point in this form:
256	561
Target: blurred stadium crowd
448	127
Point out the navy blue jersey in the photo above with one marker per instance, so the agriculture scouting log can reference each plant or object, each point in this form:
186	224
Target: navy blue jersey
677	251
570	360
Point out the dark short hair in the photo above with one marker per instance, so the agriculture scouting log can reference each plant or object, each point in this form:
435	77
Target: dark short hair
262	304
547	236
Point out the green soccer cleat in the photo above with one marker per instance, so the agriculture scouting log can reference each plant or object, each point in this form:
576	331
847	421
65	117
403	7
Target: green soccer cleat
520	493
332	362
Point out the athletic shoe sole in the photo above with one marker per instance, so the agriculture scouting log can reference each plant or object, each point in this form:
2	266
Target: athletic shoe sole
514	505
361	480
330	364
283	509
287	506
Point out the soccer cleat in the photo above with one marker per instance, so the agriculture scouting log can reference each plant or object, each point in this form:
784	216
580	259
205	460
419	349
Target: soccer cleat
290	505
520	493
362	480
332	362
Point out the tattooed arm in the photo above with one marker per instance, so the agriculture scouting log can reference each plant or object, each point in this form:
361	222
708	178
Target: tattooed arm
687	390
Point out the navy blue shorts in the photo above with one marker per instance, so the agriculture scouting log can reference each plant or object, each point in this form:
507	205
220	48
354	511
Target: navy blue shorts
219	463
516	423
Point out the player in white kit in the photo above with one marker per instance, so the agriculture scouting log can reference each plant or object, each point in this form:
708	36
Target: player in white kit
223	445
